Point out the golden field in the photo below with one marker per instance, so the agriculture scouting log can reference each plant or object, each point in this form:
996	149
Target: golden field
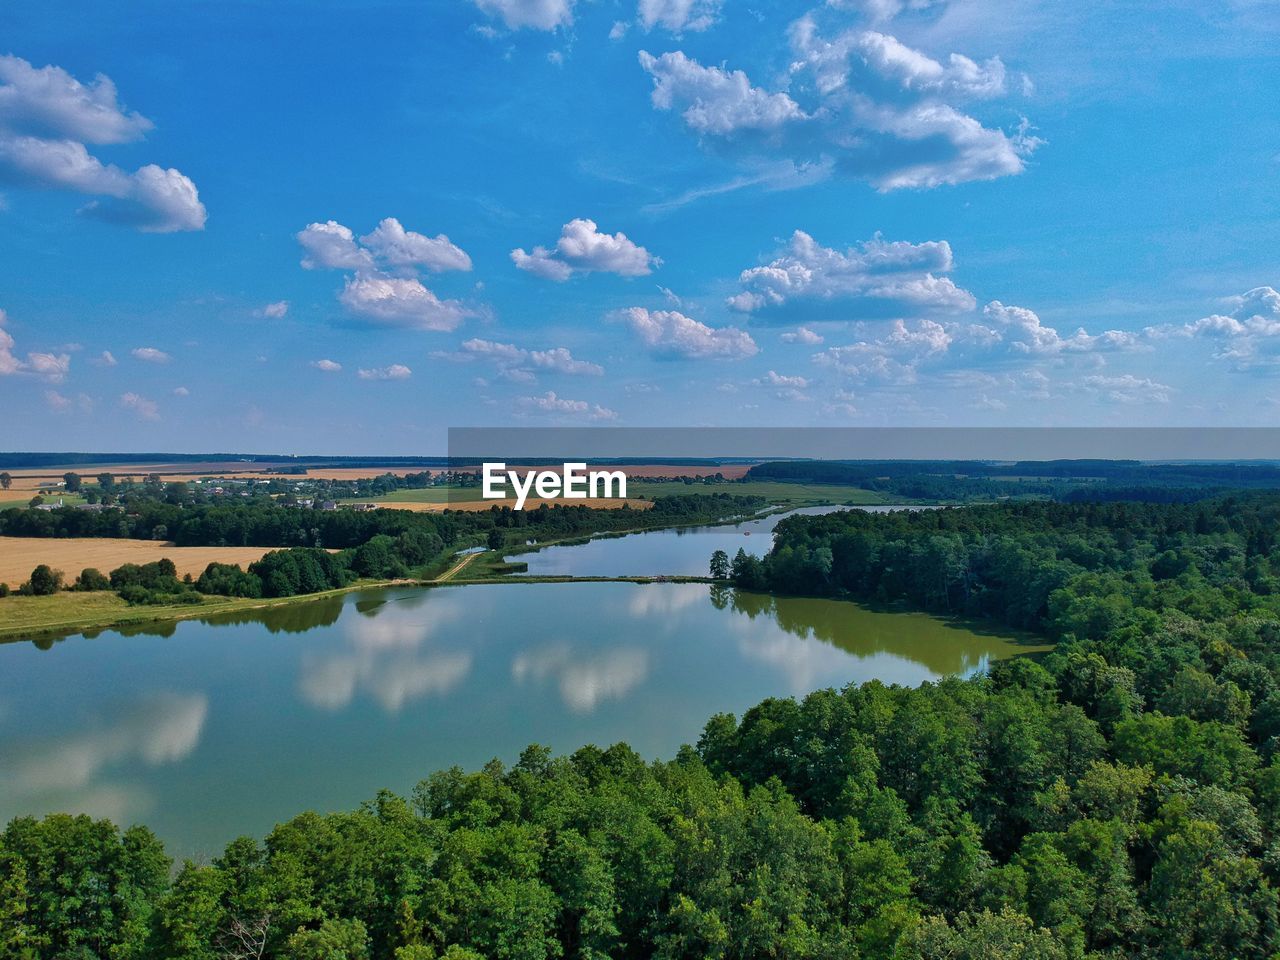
19	555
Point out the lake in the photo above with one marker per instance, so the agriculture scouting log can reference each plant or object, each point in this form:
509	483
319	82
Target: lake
206	730
676	552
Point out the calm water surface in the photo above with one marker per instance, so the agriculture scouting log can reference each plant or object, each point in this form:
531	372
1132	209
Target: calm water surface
216	729
665	552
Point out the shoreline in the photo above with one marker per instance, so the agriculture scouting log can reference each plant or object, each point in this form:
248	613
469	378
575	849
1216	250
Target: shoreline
113	613
127	616
138	616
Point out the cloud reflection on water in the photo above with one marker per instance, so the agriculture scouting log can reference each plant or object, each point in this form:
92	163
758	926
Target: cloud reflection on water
818	638
63	771
806	662
584	680
665	600
383	657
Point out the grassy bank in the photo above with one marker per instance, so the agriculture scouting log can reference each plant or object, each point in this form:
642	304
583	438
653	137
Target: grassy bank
62	614
29	618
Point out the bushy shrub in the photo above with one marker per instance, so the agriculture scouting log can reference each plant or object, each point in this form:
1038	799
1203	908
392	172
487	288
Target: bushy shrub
137	595
417	546
377	559
91	578
44	582
228	580
159	575
287	573
152	583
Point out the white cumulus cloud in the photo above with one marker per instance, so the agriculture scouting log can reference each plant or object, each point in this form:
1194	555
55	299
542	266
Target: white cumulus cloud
551	402
514	363
882	9
500	352
1248	334
52	367
155	200
671	334
332	246
1022	330
892	358
801	335
1129	389
393	244
860	104
382	285
150	355
396	371
50	102
328	366
143	408
533	14
775	379
560	360
713	100
901	71
48	116
57	402
963	353
582	248
677	16
401	302
878	278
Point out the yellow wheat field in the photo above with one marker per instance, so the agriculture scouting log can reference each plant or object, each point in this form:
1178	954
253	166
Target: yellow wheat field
18	555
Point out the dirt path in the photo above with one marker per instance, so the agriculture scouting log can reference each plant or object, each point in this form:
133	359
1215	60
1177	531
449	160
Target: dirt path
456	568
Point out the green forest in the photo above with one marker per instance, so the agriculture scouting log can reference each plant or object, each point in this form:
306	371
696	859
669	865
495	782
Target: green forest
1119	797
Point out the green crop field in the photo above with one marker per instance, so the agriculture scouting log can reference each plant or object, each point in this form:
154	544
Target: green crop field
424	495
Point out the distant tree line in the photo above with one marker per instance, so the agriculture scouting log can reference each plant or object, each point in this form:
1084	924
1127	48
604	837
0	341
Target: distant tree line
262	522
887	474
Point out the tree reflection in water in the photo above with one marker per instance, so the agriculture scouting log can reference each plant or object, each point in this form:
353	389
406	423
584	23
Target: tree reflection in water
941	646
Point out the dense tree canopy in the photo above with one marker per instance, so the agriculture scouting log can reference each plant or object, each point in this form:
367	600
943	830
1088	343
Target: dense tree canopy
264	522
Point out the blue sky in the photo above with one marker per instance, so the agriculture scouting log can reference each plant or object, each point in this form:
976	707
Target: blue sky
344	227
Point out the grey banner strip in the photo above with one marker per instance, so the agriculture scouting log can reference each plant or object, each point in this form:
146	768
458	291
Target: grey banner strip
1152	444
